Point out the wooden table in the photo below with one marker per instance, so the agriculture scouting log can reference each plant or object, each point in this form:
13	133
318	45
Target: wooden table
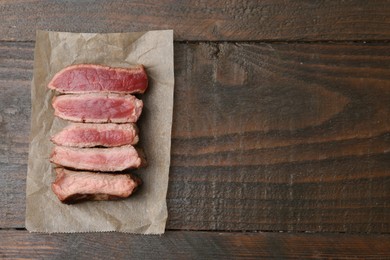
281	134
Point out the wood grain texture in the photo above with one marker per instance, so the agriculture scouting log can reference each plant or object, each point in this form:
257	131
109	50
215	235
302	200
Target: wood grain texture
16	62
223	20
265	136
193	245
281	137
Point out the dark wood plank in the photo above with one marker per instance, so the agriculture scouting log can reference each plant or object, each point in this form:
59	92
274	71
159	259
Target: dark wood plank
223	20
265	136
281	137
192	245
16	62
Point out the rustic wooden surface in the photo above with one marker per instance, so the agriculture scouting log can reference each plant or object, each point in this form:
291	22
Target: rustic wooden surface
285	136
237	20
193	245
281	123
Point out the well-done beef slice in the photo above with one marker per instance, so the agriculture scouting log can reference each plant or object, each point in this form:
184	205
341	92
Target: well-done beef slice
72	186
98	108
98	159
90	135
87	78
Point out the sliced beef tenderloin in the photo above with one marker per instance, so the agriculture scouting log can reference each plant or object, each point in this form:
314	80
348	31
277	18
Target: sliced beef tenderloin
88	78
98	108
73	186
98	159
91	135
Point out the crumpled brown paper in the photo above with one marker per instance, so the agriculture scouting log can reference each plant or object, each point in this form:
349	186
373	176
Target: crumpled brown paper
145	212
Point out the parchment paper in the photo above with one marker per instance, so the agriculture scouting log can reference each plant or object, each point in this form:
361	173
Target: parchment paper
145	212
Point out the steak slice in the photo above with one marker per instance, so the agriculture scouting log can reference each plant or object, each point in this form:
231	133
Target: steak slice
98	108
72	187
87	78
98	159
90	135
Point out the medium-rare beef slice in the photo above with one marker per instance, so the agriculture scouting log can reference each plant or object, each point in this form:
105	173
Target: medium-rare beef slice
72	186
88	78
91	135
98	108
98	159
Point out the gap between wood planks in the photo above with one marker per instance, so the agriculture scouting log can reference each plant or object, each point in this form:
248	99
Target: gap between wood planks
260	41
237	231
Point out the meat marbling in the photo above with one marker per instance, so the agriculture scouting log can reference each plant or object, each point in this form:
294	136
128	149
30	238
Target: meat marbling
98	108
91	135
87	78
72	186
